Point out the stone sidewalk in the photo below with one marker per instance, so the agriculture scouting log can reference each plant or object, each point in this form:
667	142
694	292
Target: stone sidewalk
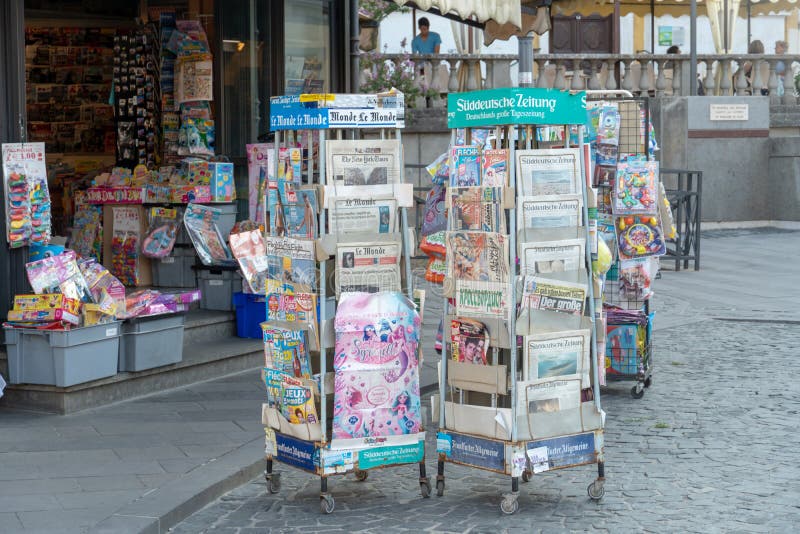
146	464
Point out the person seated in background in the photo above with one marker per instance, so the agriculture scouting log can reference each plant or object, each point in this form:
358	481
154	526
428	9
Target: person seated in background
755	47
427	42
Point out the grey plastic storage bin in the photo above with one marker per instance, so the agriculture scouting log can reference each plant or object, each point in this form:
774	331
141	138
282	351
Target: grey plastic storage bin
149	342
217	289
62	357
176	269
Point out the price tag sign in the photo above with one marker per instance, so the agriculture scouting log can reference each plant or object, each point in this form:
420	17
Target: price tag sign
539	460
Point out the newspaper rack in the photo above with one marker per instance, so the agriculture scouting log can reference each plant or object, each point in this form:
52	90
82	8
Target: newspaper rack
500	432
307	446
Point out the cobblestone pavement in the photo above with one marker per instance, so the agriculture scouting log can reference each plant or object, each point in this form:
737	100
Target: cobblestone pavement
712	447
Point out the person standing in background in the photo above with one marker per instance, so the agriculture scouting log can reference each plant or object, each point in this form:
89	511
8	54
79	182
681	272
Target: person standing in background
426	42
780	67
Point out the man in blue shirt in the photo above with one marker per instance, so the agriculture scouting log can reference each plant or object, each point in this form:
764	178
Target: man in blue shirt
427	42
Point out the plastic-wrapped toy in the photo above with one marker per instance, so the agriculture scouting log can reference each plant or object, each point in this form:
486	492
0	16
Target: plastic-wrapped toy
639	236
635	187
163	225
201	224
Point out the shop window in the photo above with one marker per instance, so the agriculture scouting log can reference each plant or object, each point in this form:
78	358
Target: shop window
307	59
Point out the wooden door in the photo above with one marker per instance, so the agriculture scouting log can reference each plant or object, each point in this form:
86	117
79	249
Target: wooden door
582	35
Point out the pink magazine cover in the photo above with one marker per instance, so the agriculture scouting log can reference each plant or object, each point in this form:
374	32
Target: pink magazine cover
377	376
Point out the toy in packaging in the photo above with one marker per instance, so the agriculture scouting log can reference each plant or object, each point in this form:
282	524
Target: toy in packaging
223	188
196	137
101	282
59	274
470	341
635	187
624	344
162	228
125	243
257	172
495	167
376	366
26	193
639	236
434	245
635	278
201	224
87	233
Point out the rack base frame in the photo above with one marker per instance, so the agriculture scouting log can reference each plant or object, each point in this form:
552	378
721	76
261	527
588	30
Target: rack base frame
498	457
318	459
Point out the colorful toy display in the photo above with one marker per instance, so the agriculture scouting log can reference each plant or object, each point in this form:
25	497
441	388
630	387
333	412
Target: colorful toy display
638	236
201	224
635	189
163	225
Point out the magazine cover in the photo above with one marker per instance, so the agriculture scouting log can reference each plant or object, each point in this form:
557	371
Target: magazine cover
354	215
543	293
201	224
552	256
250	250
285	177
368	267
292	261
377	371
477	256
555	211
469	341
554	171
495	167
297	402
358	163
294	214
563	355
288	350
476	208
465	168
285	303
483	299
257	172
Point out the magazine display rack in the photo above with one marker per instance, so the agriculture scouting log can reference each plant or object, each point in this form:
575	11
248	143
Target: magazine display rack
623	147
364	397
529	408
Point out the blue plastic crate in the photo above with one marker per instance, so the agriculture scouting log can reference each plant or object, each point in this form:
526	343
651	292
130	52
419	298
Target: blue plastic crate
251	311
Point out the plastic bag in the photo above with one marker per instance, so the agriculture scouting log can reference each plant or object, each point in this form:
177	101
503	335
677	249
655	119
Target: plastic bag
435	215
162	228
434	245
201	225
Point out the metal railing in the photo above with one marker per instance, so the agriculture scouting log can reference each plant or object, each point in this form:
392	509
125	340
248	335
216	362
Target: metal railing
684	190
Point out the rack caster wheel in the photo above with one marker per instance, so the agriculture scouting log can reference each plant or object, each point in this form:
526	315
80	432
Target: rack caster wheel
361	476
439	488
509	505
326	504
637	393
596	490
273	482
425	488
526	475
648	381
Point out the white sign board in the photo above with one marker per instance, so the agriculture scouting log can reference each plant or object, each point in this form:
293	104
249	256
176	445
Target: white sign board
729	112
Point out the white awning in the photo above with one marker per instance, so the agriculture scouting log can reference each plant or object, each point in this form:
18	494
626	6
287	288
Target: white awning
663	7
500	11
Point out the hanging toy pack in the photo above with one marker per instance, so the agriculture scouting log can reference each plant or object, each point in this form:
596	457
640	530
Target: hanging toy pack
125	243
162	228
201	224
27	196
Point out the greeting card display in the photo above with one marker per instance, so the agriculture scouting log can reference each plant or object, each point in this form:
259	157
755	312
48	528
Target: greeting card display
375	361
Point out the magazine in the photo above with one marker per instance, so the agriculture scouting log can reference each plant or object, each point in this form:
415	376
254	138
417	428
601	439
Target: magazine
557	211
201	225
549	171
353	215
249	250
563	355
285	303
368	267
495	167
257	172
297	401
483	299
285	176
469	341
351	165
288	350
476	208
465	166
477	256
542	292
294	214
292	261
